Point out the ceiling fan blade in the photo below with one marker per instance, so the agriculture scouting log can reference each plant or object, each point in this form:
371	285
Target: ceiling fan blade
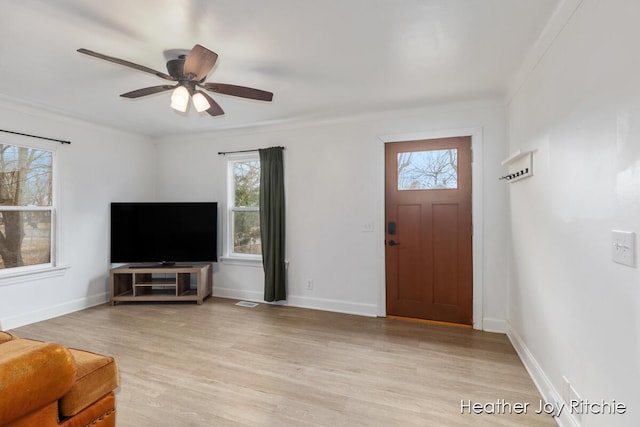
147	91
126	63
241	91
214	109
199	62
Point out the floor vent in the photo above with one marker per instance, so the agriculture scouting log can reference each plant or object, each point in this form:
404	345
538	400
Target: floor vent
247	304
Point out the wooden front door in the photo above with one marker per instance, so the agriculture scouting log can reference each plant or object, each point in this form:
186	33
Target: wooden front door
428	229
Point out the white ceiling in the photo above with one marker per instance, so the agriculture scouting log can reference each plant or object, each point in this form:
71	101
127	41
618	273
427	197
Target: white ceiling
321	58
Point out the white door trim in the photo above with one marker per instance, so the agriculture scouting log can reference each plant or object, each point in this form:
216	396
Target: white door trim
477	198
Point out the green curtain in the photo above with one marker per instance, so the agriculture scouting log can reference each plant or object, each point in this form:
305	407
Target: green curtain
272	223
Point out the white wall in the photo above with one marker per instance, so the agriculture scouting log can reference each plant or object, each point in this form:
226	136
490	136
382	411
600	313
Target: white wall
334	175
99	166
572	311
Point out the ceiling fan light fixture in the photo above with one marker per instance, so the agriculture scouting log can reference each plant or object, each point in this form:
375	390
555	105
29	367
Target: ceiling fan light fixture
187	73
180	99
200	102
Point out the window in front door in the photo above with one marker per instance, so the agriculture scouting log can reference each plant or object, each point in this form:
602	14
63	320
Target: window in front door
428	170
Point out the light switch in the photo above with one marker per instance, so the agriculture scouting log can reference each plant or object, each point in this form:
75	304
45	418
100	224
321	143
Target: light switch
623	248
368	227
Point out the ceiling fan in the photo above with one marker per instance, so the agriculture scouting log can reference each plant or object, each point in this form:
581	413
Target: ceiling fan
189	71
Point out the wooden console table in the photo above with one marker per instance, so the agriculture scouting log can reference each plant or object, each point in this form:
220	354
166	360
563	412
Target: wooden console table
153	283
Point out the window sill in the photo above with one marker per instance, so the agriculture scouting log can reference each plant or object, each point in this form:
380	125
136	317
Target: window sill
247	262
27	275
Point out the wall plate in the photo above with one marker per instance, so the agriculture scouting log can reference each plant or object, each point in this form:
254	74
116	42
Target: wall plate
623	247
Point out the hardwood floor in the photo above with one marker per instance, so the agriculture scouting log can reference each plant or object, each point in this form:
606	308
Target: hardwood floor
218	364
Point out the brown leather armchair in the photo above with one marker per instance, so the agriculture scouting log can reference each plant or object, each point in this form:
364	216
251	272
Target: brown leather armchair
46	384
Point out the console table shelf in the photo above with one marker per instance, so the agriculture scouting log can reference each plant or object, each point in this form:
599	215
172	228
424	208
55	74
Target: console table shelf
141	283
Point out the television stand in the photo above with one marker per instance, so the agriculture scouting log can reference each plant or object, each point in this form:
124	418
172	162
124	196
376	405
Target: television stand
137	283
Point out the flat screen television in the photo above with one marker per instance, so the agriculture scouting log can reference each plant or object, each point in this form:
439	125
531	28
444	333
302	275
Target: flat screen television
164	233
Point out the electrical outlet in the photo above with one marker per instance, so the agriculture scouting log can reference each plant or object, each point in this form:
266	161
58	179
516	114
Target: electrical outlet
310	284
623	249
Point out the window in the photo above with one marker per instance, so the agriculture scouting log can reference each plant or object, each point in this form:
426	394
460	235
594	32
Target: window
243	215
26	207
428	170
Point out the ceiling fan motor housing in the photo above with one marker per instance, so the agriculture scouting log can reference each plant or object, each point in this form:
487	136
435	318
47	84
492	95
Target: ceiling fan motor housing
175	67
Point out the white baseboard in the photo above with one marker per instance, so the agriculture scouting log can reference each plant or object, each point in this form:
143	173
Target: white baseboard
347	307
539	377
238	294
50	312
370	310
494	325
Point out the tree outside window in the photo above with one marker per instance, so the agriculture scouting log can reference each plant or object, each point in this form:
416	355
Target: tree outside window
244	205
26	195
428	170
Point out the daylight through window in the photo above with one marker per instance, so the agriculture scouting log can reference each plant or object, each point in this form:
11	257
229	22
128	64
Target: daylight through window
26	206
428	170
244	207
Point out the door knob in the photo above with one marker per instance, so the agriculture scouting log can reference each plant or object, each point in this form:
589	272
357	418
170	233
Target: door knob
393	243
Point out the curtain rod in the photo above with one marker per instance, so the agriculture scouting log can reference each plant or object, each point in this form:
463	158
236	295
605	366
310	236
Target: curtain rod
36	136
223	153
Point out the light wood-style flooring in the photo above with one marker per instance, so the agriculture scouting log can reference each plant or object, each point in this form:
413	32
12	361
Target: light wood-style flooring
218	364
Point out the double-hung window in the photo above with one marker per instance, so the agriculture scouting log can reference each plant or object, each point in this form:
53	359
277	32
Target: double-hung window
26	207
243	213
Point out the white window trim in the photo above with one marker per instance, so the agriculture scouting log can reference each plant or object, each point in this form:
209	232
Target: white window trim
29	273
9	276
228	255
242	261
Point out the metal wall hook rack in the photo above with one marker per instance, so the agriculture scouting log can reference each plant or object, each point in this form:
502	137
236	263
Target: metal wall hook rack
518	174
520	166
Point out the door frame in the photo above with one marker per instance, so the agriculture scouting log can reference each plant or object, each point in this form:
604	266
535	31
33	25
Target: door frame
477	211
